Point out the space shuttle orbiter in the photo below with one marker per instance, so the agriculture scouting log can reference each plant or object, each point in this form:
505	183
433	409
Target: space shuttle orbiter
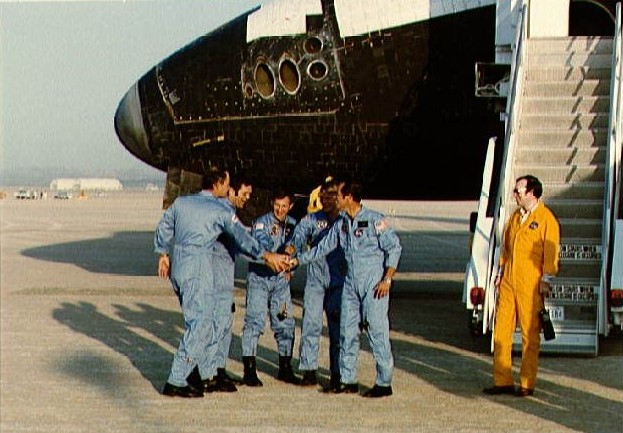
377	90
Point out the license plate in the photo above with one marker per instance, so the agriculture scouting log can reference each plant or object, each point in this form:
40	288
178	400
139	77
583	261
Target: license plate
557	313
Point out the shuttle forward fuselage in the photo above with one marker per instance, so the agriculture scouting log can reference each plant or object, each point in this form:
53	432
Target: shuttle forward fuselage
298	89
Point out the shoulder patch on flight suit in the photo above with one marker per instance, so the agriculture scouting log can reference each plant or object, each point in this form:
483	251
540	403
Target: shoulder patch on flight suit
381	225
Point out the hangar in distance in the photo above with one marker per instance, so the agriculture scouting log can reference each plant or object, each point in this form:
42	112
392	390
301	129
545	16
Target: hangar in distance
293	90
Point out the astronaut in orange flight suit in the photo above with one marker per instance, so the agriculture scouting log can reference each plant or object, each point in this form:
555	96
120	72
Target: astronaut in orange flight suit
528	261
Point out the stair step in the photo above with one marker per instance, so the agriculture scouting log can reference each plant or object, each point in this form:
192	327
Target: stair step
590	282
599	44
566	73
564	121
584	208
570	173
583	245
561	155
551	138
580	252
581	228
598	60
592	87
580	190
575	288
563	288
565	104
571	269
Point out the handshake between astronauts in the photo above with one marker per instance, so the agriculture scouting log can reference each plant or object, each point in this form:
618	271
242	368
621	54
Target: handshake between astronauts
281	263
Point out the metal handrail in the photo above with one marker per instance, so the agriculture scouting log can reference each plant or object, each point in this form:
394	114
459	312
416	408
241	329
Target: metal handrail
613	180
500	214
516	90
618	142
618	123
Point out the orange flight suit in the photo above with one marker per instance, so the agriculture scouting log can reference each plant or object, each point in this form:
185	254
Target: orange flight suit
529	250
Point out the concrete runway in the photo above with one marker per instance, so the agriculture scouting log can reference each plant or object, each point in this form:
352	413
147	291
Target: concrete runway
88	332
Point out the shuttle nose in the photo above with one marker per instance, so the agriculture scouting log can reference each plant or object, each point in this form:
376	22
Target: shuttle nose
129	126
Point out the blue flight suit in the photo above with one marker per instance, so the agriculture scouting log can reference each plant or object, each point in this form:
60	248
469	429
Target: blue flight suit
187	232
224	262
267	291
370	245
323	291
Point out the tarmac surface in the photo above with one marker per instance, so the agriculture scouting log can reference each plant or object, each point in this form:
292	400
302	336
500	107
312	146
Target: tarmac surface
88	333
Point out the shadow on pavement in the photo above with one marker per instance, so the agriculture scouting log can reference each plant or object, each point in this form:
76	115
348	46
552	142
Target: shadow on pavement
125	253
447	358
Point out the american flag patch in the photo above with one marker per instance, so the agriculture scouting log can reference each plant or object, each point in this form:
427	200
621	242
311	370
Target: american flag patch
259	226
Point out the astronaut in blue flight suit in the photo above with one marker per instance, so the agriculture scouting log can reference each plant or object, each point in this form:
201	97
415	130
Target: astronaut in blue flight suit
323	288
183	238
372	250
224	256
268	292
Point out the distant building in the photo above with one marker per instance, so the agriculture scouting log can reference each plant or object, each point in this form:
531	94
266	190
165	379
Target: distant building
86	184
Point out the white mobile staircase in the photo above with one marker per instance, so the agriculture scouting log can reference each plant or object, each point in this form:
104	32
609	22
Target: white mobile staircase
562	139
563	126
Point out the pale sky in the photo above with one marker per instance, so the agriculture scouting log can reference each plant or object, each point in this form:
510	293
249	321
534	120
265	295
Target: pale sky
64	67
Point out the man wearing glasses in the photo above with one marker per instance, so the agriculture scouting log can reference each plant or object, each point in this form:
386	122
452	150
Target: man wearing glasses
528	262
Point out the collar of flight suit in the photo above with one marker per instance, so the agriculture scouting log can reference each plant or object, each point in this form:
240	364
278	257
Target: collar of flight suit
524	214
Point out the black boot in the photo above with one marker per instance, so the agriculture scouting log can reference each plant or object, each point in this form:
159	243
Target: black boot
334	383
193	389
223	382
181	391
309	378
194	379
229	377
209	385
250	375
379	391
286	374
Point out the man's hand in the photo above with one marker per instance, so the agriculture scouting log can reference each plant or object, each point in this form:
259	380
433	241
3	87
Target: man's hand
277	262
382	288
293	263
544	288
164	266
